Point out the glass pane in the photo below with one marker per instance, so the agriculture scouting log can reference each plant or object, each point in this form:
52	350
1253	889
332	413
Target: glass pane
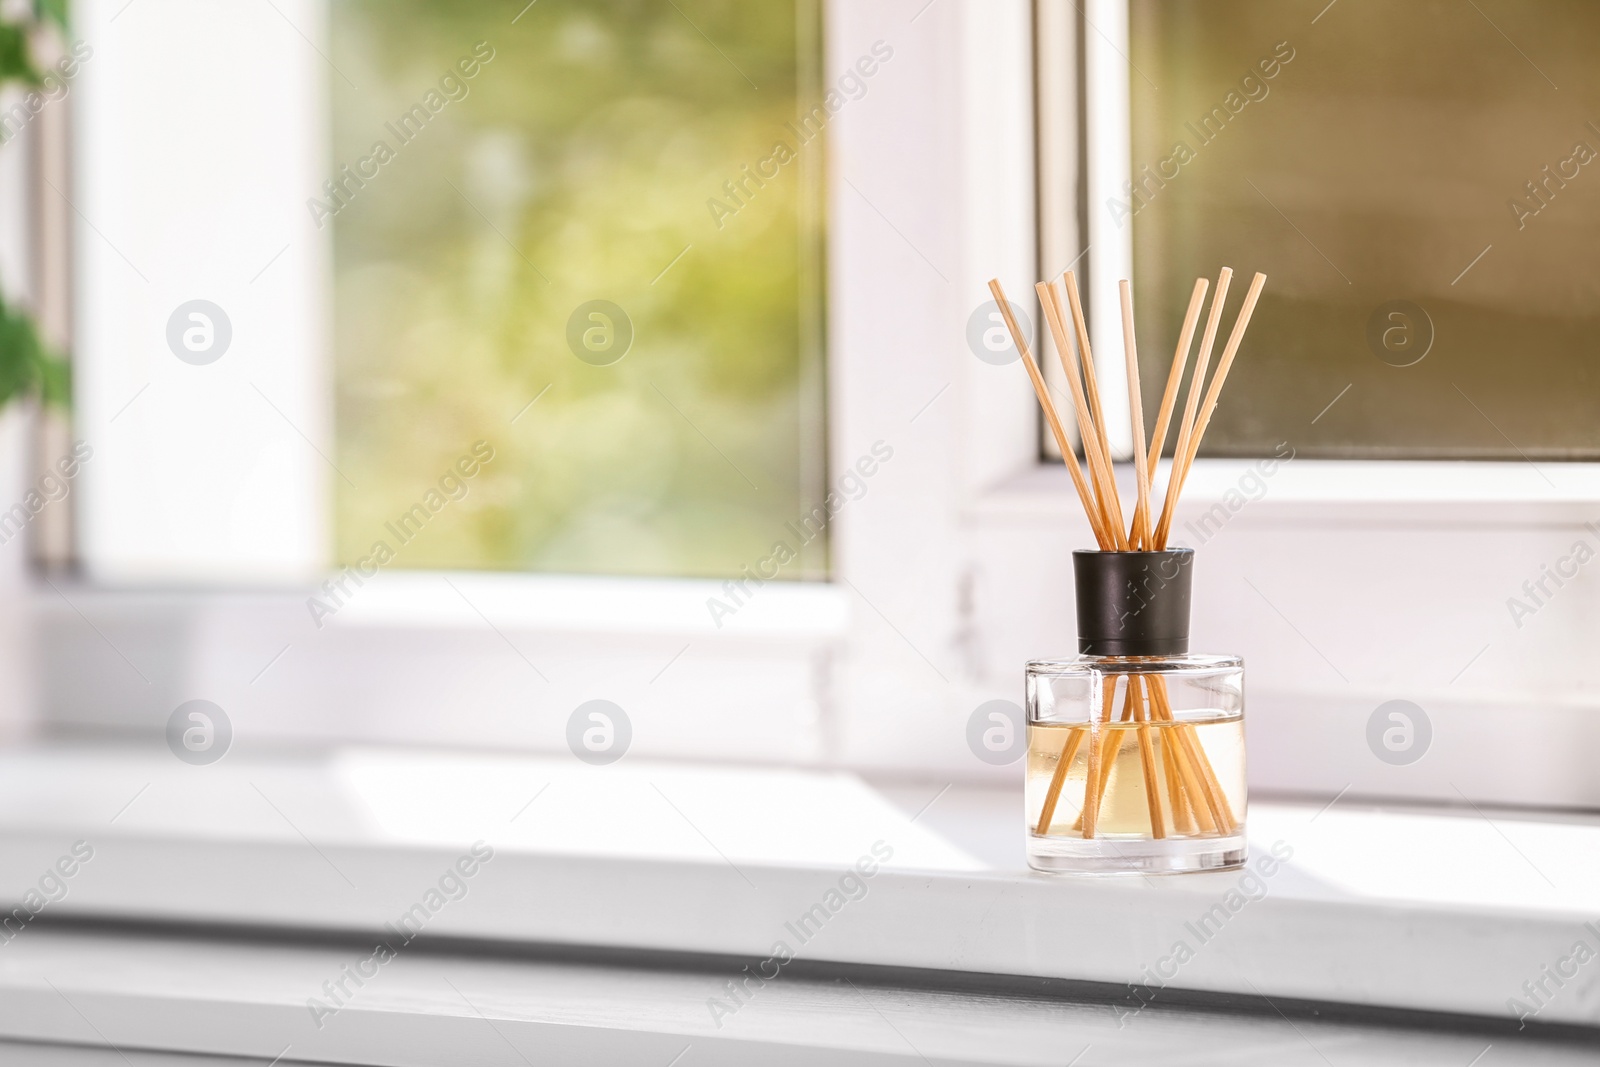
539	250
1376	165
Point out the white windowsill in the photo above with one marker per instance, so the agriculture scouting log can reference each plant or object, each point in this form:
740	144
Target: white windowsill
454	600
1409	910
1357	488
583	604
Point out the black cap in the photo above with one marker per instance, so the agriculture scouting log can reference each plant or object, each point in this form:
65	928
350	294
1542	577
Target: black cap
1133	603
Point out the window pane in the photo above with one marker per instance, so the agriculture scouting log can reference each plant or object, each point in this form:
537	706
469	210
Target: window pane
510	176
1376	166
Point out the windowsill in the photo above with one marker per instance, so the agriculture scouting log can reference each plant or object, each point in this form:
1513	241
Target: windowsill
1437	912
531	603
1376	490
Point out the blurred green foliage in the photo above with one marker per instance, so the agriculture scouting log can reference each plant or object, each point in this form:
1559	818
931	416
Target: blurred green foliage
16	36
577	167
27	365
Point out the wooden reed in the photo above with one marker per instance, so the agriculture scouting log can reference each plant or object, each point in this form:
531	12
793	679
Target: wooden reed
1042	391
1094	452
1141	535
1180	359
1068	284
1214	392
1191	407
1147	752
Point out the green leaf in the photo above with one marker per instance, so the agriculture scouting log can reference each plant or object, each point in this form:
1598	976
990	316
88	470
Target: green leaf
19	356
51	11
16	60
55	382
27	365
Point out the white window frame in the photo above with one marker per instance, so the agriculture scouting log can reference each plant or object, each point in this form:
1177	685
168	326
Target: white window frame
950	573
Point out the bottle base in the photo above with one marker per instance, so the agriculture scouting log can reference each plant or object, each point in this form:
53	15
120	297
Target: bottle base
1135	855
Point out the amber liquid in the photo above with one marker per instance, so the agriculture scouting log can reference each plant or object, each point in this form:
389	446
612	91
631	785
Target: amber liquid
1193	771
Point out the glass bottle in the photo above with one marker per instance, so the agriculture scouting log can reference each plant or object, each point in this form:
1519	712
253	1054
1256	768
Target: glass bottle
1136	757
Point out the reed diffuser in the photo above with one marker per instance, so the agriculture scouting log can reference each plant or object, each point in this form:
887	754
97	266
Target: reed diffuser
1135	746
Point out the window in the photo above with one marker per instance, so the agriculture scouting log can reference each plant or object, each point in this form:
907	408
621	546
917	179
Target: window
949	565
549	239
593	247
1420	195
364	359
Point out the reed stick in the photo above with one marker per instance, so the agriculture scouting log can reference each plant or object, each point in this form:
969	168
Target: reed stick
1140	535
1214	392
1180	359
1099	464
1100	768
1069	752
1042	391
1052	797
1191	407
1201	779
1194	768
1068	284
1183	822
1110	747
1147	753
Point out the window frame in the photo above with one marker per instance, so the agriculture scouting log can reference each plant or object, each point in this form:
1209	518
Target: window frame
124	640
952	570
